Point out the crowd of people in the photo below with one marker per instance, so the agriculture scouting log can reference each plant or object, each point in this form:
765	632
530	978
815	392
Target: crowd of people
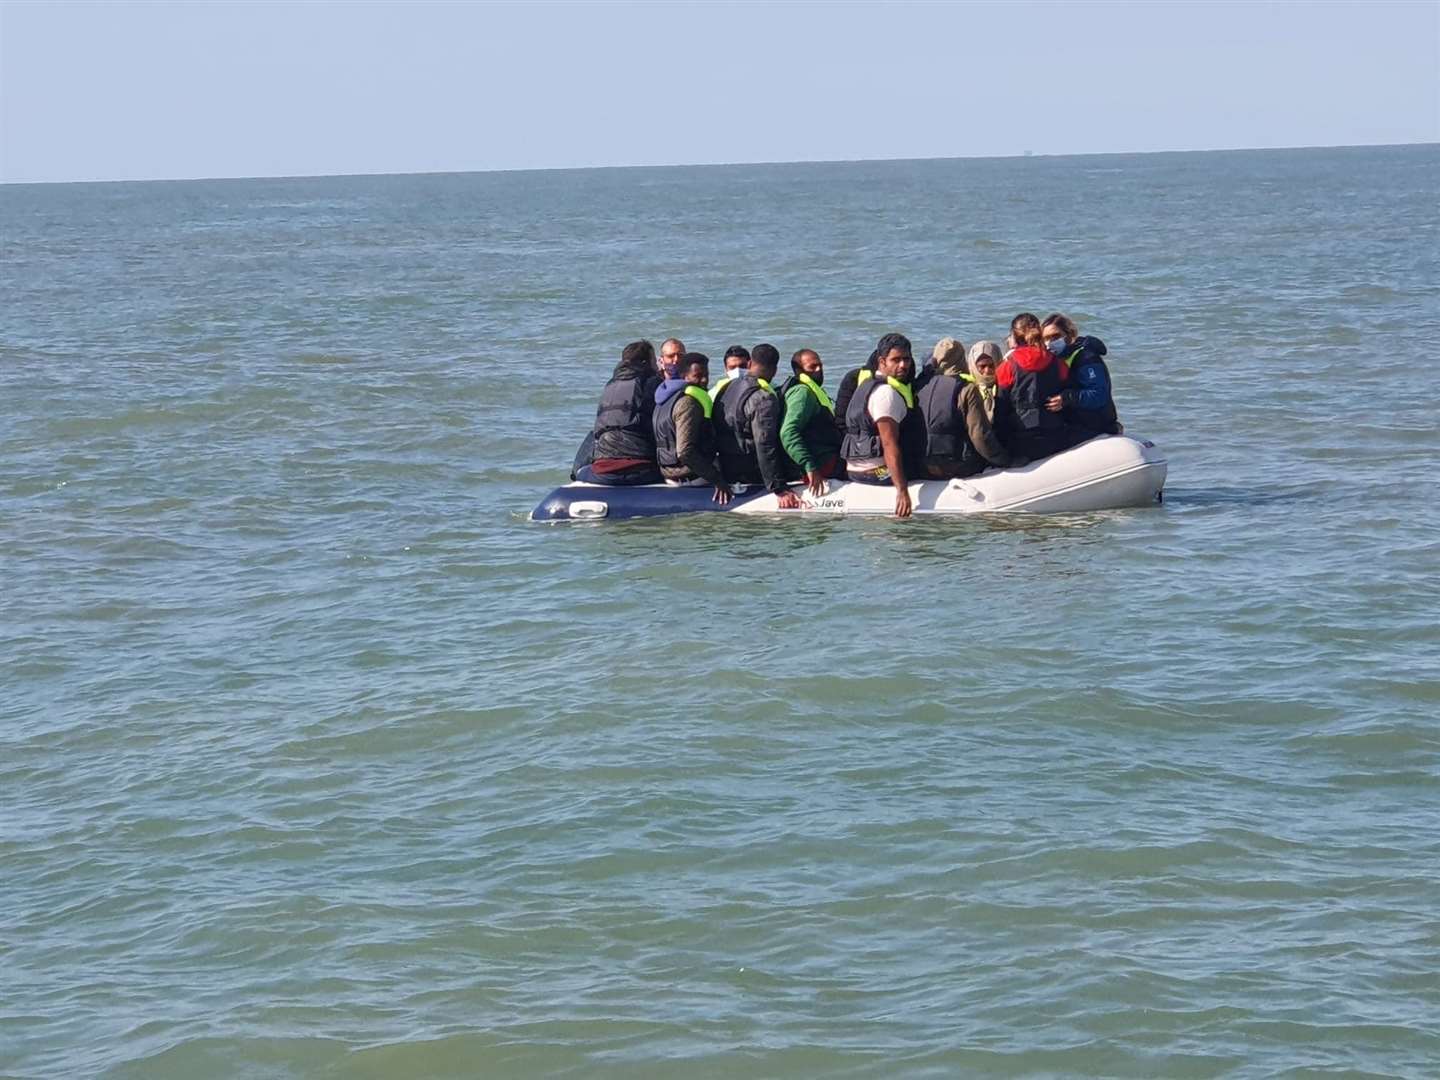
660	419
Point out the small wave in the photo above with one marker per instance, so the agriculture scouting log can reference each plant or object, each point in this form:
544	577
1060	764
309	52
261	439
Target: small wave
400	301
1381	294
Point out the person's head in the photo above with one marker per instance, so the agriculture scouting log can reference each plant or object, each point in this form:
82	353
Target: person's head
1058	333
671	350
949	356
637	360
764	359
807	362
1025	329
983	359
694	368
873	359
737	358
894	358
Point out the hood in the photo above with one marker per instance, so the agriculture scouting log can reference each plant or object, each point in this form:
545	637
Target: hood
949	357
1092	345
668	389
1031	358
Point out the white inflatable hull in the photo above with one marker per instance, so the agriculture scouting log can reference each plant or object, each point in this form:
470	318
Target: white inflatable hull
1107	473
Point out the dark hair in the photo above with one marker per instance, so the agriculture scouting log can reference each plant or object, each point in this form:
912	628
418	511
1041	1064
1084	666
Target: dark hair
637	360
1025	329
874	361
795	359
766	355
737	350
890	342
688	361
1064	322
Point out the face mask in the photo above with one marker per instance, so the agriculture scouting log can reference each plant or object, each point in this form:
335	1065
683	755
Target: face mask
1057	346
817	377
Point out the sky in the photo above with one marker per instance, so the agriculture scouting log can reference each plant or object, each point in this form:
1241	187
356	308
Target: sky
122	90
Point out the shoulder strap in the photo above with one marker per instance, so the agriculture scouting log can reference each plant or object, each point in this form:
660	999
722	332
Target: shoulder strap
901	389
702	397
819	392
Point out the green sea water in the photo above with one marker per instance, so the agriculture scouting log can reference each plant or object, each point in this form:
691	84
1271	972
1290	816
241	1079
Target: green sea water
318	759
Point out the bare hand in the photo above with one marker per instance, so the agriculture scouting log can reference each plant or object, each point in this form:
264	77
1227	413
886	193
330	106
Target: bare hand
788	500
723	494
815	484
902	502
1054	404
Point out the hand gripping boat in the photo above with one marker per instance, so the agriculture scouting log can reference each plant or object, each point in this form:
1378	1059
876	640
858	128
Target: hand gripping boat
1106	473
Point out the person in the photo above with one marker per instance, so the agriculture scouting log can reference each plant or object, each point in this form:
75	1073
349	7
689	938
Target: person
746	416
671	350
808	431
947	350
846	390
622	441
684	436
1087	403
978	402
872	447
1020	327
737	359
1031	379
947	451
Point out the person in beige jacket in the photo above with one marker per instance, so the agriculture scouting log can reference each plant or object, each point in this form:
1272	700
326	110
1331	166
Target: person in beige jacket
979	403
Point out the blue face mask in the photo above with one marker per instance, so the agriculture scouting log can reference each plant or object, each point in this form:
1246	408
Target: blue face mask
1057	346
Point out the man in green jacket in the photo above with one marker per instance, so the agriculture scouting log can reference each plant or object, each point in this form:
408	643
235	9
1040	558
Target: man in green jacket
808	432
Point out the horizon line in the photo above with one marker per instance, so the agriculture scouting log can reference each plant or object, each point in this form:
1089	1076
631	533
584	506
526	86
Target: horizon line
714	164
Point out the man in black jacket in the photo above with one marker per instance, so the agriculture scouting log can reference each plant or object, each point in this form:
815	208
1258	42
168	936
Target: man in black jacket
747	417
620	449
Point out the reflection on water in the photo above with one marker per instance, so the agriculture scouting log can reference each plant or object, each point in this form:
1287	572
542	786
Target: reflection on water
1182	496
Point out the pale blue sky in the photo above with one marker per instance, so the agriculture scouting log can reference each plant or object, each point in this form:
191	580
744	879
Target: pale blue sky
134	91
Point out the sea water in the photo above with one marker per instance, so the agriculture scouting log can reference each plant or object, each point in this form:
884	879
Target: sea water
318	759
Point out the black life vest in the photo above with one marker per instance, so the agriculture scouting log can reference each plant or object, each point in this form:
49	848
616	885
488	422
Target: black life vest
912	428
849	383
1030	391
622	422
732	429
666	451
862	437
946	443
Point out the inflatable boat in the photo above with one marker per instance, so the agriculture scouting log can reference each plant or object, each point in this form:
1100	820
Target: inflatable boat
1107	473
